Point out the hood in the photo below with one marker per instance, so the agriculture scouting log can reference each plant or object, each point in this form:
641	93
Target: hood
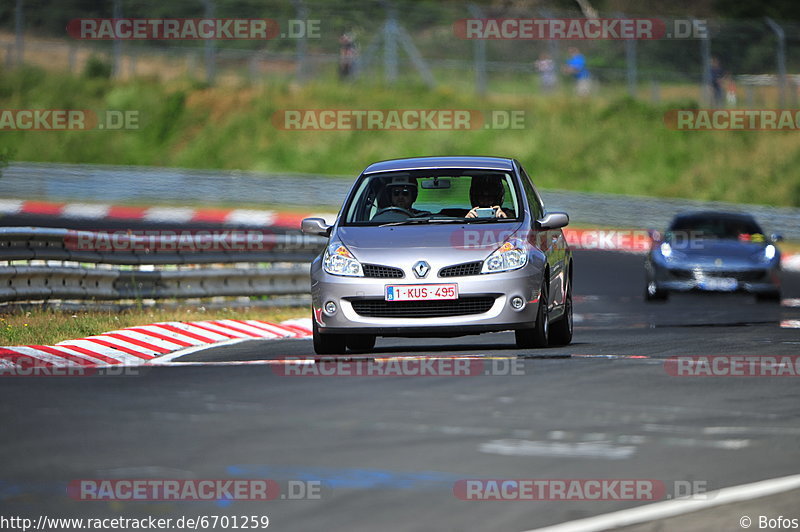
452	243
713	249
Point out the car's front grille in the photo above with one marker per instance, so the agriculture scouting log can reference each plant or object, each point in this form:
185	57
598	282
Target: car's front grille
749	275
378	308
681	274
745	276
382	272
458	270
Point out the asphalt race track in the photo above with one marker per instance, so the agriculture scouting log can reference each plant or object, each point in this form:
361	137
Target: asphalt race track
387	451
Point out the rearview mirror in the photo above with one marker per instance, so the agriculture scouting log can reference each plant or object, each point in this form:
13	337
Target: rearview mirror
553	220
315	226
435	183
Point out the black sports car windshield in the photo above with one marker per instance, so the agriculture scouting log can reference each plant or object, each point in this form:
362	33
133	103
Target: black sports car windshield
434	197
715	227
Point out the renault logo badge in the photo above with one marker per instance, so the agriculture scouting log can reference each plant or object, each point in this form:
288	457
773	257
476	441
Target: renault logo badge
421	269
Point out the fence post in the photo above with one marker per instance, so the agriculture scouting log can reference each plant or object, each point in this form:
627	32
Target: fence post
781	58
116	64
390	45
301	12
210	46
479	55
19	23
705	52
630	63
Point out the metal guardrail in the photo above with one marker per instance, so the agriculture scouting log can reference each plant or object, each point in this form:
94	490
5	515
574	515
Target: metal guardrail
46	264
96	183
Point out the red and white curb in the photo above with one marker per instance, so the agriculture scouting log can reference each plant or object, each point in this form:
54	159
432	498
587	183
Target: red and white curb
146	344
630	241
177	215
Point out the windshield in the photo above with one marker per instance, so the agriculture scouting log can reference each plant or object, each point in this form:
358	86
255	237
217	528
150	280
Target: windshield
426	196
716	227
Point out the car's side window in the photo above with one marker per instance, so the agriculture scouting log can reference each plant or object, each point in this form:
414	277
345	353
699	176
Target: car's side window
534	201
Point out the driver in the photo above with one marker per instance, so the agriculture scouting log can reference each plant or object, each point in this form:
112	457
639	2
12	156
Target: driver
487	192
403	193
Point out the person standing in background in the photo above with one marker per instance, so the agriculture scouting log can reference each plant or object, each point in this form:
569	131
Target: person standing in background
576	67
546	68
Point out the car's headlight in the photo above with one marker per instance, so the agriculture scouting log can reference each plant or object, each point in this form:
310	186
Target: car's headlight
339	261
767	254
666	250
512	255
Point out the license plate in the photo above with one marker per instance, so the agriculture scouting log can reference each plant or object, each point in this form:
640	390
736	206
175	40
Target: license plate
723	284
421	292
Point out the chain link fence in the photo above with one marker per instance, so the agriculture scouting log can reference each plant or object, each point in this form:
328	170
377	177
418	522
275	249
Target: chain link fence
401	41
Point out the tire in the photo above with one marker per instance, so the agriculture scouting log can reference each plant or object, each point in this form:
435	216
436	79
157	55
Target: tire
328	344
653	293
769	297
361	342
561	330
537	336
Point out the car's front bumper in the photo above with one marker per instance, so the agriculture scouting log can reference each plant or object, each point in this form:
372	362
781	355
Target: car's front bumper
761	280
345	292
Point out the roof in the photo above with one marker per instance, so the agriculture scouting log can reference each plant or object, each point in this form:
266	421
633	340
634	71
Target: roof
714	214
426	163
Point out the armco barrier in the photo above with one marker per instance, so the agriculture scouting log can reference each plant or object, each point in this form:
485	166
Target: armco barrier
46	264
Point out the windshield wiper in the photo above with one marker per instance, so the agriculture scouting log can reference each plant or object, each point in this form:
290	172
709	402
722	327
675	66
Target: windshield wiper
411	221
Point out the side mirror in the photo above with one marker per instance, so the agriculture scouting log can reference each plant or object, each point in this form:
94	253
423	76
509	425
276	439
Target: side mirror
553	220
654	235
315	226
776	237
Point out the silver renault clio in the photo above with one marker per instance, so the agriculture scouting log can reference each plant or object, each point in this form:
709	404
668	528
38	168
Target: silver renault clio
441	247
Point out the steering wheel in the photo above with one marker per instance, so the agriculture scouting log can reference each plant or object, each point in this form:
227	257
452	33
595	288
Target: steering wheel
396	209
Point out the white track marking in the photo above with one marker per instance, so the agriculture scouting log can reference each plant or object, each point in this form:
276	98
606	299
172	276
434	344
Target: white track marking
250	217
169	214
10	206
558	449
665	509
85	210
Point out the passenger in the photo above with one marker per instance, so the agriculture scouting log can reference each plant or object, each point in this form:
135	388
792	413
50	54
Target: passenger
487	192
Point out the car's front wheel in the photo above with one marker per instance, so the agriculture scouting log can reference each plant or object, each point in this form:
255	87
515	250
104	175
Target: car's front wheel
328	344
538	335
653	293
769	297
561	329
